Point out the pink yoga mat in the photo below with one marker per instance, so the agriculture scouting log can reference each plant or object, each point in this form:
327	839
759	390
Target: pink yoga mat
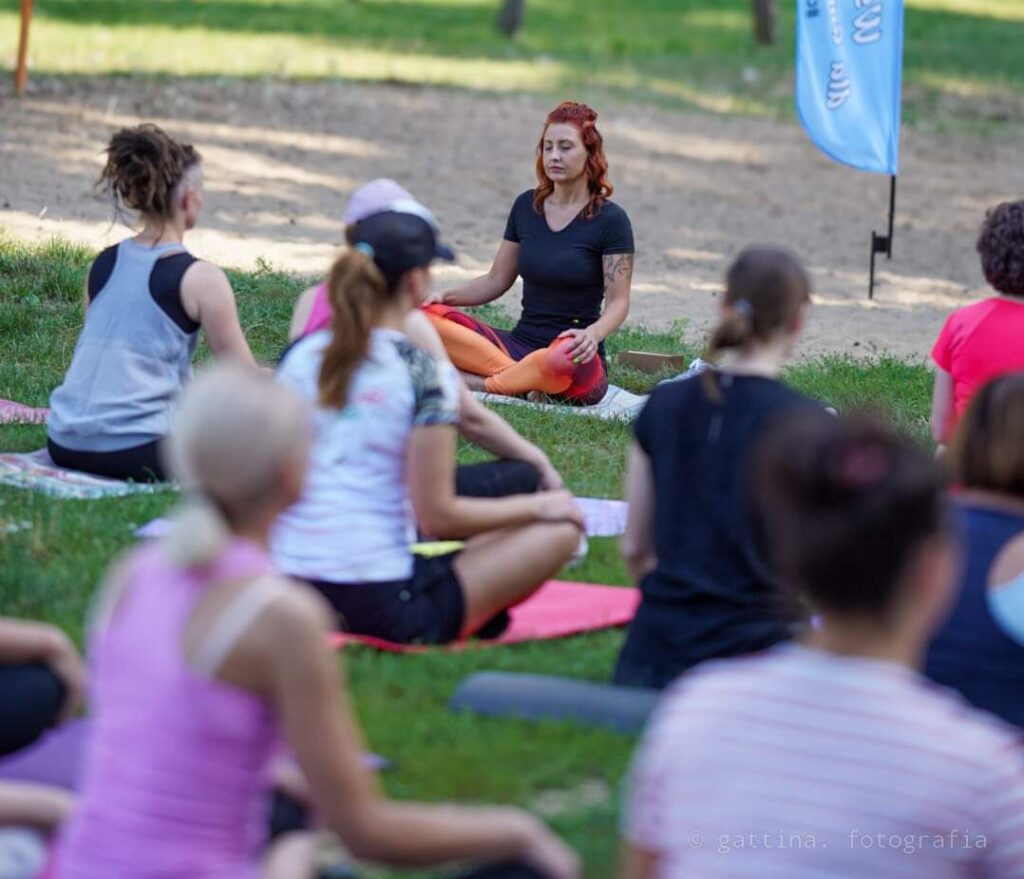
19	413
556	610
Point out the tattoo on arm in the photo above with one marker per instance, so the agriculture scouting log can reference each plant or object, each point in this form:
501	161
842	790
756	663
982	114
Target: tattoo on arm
617	265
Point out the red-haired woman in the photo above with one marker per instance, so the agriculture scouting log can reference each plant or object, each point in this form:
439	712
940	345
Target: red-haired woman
574	250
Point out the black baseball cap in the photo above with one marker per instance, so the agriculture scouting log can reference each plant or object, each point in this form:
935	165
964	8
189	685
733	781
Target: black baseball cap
398	241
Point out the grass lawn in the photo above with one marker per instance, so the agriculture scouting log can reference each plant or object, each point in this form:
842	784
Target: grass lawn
52	554
963	67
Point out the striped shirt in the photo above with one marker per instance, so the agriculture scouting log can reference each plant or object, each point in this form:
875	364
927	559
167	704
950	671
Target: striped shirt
354	522
798	763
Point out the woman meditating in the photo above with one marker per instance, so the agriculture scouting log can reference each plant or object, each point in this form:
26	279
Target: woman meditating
146	300
383	461
574	250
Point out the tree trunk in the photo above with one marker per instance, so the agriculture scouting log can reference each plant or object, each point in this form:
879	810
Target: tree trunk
764	21
510	18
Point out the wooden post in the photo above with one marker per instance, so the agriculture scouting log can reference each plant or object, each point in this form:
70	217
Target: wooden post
764	21
21	70
510	17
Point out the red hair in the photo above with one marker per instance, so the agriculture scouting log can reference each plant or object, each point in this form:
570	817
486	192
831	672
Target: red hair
584	119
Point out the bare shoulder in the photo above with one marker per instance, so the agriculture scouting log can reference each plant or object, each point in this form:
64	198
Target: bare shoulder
1009	564
202	276
297	611
301	312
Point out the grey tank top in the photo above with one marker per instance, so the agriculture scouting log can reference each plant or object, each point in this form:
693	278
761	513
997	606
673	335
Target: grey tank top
129	364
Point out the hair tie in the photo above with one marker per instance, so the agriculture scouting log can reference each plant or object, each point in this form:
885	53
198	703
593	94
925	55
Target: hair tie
744	308
861	467
365	248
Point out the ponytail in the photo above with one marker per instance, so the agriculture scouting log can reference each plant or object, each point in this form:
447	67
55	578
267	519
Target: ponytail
765	289
235	432
199	533
357	291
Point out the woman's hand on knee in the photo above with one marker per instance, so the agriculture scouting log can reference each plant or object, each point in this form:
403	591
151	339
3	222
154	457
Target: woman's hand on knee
547	853
557	506
63	660
583	347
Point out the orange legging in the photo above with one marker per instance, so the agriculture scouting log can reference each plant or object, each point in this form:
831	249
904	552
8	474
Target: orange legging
476	348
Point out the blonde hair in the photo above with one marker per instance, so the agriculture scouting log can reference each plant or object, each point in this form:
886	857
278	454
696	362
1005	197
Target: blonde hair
234	429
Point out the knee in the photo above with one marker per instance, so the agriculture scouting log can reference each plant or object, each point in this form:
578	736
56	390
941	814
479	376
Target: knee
557	360
565	539
437	309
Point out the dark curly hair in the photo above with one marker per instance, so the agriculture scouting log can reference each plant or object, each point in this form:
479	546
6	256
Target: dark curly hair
144	167
1001	246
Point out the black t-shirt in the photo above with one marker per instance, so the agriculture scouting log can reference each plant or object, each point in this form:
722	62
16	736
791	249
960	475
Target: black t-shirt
712	589
563	272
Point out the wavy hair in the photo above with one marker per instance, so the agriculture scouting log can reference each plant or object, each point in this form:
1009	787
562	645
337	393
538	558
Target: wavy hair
144	170
599	186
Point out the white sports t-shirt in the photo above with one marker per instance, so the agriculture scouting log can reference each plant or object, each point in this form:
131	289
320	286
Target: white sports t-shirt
798	763
354	522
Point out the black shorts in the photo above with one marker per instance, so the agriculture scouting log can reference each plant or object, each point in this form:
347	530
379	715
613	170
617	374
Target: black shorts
428	608
139	463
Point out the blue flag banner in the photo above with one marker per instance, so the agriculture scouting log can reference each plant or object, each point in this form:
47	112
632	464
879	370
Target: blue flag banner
849	67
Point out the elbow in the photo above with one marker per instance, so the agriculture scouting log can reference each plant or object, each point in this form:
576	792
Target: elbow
362	840
438	521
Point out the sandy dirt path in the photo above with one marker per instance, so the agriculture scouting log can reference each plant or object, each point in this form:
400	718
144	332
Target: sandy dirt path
281	158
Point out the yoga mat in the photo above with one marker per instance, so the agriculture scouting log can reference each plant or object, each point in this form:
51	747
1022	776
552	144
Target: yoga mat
556	610
603	517
618	404
57	758
36	471
544	697
18	413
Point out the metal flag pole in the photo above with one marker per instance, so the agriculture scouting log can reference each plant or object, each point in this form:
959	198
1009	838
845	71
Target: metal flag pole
882	243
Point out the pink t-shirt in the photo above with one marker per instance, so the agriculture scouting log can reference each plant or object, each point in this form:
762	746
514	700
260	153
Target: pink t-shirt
320	314
800	763
977	344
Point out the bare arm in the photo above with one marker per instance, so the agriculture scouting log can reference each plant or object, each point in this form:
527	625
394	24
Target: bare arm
26	641
485	288
478	424
442	513
618	281
208	299
637	542
308	694
29	641
33	804
942	405
494	434
636	863
300	314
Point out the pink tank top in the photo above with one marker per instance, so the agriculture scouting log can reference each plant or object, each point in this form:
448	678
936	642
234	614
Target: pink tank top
176	769
321	314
